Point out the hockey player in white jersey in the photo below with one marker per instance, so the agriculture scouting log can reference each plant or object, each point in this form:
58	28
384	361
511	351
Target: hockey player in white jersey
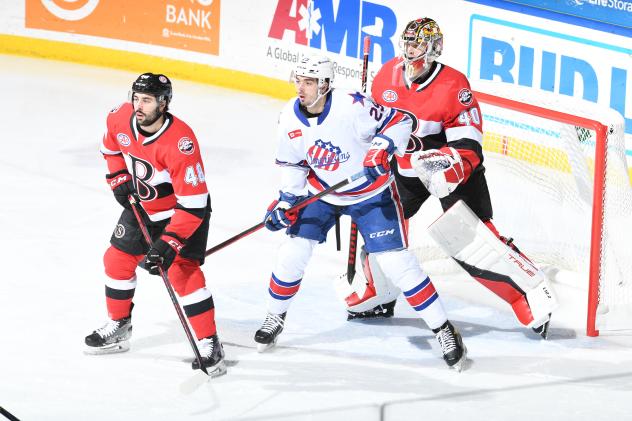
326	136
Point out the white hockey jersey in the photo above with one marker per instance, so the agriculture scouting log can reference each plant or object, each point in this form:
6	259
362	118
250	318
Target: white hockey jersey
318	152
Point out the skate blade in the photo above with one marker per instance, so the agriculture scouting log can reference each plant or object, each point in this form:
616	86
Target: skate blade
264	347
217	370
116	348
460	365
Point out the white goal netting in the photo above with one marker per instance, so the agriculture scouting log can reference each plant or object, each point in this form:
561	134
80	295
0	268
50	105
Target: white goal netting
541	175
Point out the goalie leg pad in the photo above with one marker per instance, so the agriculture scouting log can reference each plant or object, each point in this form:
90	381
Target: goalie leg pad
369	290
495	265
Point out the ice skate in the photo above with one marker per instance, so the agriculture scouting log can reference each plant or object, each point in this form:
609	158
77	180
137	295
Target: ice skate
383	310
113	337
543	329
454	352
266	336
212	353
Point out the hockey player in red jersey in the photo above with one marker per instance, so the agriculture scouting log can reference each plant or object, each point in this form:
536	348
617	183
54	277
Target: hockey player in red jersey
155	156
444	157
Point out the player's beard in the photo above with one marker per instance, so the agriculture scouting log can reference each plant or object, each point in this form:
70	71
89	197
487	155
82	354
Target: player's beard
150	118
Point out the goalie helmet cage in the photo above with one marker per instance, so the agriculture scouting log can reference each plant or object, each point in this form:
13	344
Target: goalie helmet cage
560	186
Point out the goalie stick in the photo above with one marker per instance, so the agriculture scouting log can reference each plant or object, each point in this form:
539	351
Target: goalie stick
300	205
172	294
353	232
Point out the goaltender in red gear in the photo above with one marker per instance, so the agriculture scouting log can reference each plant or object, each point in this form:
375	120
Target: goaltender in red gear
447	134
155	156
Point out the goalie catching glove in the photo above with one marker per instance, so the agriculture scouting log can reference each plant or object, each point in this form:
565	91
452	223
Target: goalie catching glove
441	171
376	161
277	217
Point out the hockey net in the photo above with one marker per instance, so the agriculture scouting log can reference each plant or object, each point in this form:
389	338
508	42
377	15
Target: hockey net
560	186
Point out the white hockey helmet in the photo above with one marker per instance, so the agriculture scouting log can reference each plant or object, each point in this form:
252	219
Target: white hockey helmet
318	67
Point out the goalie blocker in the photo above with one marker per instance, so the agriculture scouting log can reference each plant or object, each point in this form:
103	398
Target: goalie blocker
494	264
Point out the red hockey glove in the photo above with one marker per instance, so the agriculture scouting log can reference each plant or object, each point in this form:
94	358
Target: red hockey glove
441	170
376	162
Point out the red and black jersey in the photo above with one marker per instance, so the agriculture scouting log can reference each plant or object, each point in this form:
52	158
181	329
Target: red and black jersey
443	109
166	168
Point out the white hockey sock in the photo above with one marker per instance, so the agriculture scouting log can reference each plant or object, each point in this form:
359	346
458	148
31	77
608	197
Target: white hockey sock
403	269
293	257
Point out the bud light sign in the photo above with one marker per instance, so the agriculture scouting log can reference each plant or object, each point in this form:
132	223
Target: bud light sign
545	60
320	25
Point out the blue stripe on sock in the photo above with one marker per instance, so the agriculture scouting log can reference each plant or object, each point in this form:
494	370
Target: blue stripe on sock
418	288
426	303
285	284
280	297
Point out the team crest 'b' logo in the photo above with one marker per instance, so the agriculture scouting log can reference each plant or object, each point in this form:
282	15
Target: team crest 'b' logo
119	231
465	96
123	139
389	96
186	146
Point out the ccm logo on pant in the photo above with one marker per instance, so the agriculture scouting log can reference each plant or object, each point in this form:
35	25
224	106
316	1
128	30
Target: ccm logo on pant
381	233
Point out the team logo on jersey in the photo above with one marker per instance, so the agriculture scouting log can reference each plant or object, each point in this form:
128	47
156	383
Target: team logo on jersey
325	156
119	231
295	133
465	96
389	95
186	146
123	139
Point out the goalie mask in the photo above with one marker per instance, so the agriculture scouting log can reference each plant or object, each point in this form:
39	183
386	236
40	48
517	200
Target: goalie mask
420	44
318	67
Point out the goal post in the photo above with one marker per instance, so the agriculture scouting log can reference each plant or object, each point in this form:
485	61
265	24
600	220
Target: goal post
560	186
599	186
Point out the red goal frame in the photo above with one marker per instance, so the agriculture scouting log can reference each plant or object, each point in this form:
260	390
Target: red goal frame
596	240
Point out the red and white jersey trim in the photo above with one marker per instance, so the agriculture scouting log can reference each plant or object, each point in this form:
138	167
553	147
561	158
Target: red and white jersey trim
470	132
192	202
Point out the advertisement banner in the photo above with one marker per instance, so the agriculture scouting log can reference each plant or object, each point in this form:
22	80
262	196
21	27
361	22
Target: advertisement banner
333	28
184	24
615	12
513	53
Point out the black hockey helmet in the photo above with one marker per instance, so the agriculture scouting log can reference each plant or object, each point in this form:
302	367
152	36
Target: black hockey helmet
157	85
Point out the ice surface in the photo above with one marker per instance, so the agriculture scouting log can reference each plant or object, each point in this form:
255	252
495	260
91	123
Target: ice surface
56	217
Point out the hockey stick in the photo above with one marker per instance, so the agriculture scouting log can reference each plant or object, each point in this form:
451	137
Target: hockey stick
353	233
8	415
296	207
172	294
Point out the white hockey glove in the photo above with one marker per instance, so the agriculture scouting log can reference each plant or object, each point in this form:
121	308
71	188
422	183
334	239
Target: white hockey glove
441	170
